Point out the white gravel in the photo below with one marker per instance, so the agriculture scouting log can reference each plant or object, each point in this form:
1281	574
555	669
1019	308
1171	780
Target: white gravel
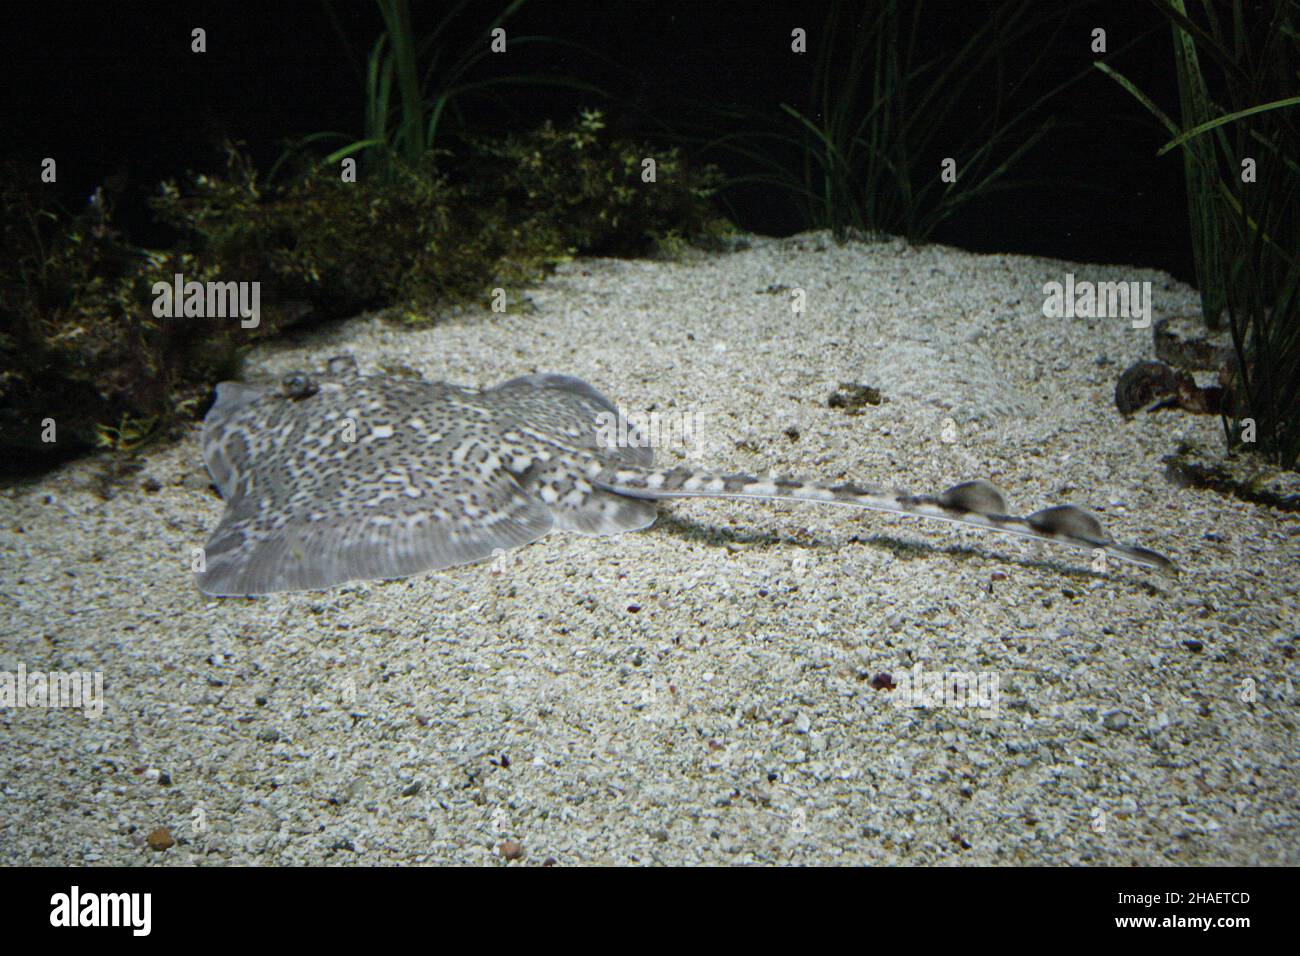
700	692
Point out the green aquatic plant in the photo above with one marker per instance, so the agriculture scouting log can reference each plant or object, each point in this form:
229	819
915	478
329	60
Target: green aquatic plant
501	210
129	434
1241	152
863	156
591	193
1207	202
80	343
321	246
406	112
83	359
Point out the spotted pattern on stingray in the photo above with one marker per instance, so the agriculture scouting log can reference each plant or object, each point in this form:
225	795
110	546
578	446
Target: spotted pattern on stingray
342	476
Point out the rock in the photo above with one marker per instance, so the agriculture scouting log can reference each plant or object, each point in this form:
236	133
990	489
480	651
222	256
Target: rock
160	839
1148	386
510	850
1184	342
853	398
1115	720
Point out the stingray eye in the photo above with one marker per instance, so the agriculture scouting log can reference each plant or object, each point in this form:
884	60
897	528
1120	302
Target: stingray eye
297	386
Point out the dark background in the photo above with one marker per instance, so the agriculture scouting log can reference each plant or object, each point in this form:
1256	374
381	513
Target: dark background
111	88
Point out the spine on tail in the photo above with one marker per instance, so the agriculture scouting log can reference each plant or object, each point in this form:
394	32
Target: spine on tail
973	503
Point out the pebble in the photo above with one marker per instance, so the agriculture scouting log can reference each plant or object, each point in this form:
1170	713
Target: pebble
1115	720
160	838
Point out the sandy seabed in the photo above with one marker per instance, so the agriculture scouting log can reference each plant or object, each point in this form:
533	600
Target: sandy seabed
708	690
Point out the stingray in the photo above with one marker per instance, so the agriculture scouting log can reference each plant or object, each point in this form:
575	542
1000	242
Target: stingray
343	476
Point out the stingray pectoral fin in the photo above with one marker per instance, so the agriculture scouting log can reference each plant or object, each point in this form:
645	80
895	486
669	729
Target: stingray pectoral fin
564	383
225	449
604	512
562	401
577	505
233	396
303	555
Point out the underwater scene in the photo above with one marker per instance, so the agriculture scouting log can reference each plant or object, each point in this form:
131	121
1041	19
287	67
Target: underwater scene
846	433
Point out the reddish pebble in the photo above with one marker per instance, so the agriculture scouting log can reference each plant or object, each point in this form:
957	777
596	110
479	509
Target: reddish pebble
161	839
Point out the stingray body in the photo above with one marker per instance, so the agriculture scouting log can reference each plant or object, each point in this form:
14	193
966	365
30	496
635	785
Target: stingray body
347	476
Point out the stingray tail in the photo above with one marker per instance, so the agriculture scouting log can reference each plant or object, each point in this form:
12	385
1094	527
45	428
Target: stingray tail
976	504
